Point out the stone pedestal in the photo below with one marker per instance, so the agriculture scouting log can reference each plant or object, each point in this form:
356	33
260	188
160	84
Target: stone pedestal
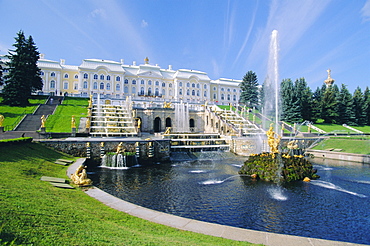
73	132
1	129
43	130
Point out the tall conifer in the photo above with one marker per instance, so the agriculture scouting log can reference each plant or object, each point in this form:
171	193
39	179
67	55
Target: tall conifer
249	87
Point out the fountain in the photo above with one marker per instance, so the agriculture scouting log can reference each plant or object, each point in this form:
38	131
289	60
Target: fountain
182	117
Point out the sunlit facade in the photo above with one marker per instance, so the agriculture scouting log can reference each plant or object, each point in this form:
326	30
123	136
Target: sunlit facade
145	81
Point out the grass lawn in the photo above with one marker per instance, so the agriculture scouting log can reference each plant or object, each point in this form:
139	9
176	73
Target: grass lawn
33	212
60	121
355	145
13	114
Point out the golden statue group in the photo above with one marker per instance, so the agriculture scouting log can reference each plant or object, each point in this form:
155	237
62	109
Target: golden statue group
80	177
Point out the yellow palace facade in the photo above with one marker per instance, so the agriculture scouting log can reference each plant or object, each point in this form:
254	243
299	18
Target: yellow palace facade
145	81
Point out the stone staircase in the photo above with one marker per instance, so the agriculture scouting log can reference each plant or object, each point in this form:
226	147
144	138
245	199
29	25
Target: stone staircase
244	126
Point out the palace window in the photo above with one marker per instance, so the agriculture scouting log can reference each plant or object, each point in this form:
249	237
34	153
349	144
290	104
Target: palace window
149	82
95	76
52	74
142	90
228	89
180	84
52	84
108	77
180	92
134	82
95	86
234	97
133	90
126	81
214	88
214	96
66	76
118	78
85	85
102	86
188	85
198	93
118	87
125	89
142	82
42	73
228	97
76	86
102	77
163	92
163	84
156	91
205	93
157	83
222	97
205	86
222	89
86	76
149	91
170	85
198	86
108	86
193	92
234	90
65	85
188	92
193	85
76	76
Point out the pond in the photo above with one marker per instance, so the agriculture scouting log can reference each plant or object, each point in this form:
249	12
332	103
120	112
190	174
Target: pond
335	207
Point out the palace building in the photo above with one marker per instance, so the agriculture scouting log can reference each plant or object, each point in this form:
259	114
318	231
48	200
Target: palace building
111	79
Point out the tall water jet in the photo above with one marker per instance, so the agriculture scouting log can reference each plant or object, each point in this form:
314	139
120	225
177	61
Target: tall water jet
182	117
271	85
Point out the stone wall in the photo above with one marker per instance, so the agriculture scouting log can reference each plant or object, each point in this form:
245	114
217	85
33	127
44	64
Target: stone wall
78	148
340	156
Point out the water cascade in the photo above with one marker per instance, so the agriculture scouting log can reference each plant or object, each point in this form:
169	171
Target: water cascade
182	117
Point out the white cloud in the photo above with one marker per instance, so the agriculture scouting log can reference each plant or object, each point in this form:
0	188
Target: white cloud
144	23
98	13
365	11
3	49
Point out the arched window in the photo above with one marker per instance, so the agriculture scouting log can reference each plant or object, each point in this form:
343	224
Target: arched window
157	83
214	88
214	96
65	85
118	78
102	77
170	92
102	86
125	89
198	93
76	76
66	76
149	82
95	86
188	92
170	85
163	84
163	92
228	89
52	74
228	97
133	90
134	82
205	93
222	97
95	76
142	82
42	73
149	91
108	86
234	97
205	86
126	81
85	85
108	77
188	85
193	85
193	92
86	76
118	87
222	89
52	84
156	91
142	91
180	84
234	90
180	92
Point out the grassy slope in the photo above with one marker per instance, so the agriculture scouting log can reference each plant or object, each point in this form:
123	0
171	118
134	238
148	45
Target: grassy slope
60	121
14	114
348	145
36	213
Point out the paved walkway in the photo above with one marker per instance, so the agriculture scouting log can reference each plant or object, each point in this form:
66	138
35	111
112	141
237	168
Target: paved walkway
229	232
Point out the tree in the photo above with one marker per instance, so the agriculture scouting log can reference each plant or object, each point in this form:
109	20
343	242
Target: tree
328	104
344	104
304	95
24	75
291	110
367	104
249	87
1	73
359	107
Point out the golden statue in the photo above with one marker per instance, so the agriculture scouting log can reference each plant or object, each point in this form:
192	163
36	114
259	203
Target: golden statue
80	177
168	130
101	144
1	120
292	144
73	122
120	148
273	141
88	122
138	123
166	104
90	101
88	144
43	120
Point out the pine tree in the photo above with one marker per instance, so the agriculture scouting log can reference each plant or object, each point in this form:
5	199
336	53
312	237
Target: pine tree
1	73
304	95
291	110
24	75
367	105
329	104
249	87
344	104
359	107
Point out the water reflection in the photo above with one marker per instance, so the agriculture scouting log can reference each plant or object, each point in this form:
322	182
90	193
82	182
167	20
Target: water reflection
336	207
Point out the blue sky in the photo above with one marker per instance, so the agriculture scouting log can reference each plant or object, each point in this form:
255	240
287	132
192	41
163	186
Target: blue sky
222	38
